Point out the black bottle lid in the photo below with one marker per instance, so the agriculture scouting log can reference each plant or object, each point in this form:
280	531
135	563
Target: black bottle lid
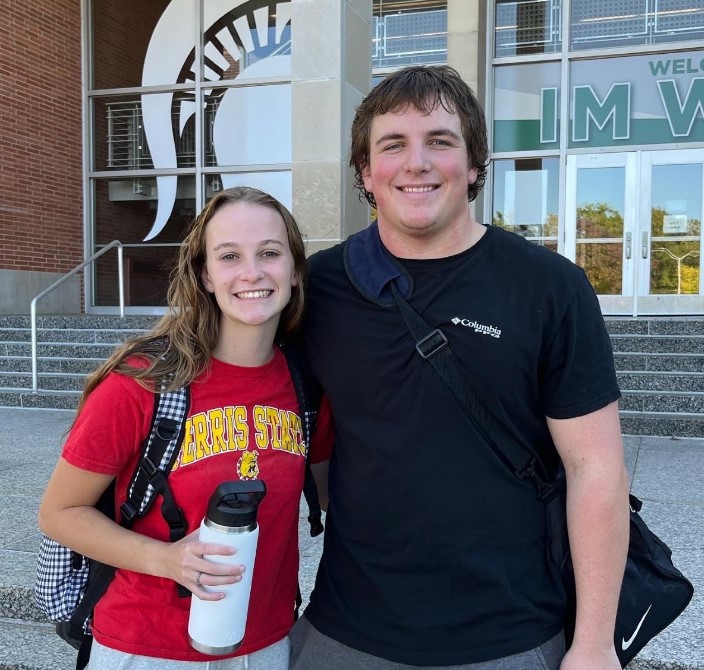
234	504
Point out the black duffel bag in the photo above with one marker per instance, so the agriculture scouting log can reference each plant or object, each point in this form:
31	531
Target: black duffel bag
653	593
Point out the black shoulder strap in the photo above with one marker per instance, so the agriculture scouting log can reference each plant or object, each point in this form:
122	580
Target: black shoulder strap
158	456
308	393
159	453
432	345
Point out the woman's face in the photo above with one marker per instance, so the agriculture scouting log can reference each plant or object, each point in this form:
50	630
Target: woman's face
249	267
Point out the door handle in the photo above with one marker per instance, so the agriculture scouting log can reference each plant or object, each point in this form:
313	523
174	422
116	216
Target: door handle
629	245
644	245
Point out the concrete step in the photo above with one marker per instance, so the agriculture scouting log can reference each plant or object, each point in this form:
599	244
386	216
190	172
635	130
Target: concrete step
79	321
656	362
663	424
679	326
662	401
657	345
67	400
33	646
661	381
23	364
68	335
46	382
57	350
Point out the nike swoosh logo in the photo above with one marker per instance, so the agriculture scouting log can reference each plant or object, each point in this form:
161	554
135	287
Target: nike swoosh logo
625	643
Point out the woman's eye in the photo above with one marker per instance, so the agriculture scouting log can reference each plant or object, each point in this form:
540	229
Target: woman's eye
270	254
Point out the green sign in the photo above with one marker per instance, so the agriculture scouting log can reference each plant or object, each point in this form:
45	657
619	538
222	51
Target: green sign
637	100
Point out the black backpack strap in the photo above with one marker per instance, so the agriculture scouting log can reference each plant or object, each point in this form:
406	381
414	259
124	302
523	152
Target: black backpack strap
159	452
308	393
158	456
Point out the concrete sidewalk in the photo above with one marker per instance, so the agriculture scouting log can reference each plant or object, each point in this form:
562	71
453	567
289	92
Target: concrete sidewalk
665	473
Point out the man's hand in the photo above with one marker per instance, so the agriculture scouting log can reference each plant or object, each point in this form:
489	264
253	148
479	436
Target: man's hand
586	658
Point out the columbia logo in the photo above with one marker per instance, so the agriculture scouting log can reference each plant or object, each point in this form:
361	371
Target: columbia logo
478	327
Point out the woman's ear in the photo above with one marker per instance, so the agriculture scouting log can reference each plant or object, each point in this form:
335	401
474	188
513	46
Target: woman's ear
206	280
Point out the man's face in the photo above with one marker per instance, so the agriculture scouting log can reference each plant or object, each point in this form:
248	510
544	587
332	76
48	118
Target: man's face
418	172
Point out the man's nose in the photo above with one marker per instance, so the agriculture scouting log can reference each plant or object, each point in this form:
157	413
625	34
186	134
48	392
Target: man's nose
417	159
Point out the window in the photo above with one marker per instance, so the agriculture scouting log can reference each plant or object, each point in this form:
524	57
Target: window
407	33
528	27
525	198
611	23
169	127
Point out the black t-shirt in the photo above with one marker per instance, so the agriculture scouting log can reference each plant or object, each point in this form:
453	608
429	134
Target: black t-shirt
434	553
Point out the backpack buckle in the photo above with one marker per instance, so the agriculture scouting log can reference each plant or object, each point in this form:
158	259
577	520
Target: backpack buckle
431	344
147	466
529	472
128	511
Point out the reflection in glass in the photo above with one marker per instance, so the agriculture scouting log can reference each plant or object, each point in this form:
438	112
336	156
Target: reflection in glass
147	271
602	263
525	198
599	230
125	209
674	268
119	42
675	226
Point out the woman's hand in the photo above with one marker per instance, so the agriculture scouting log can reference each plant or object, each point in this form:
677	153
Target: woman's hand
184	562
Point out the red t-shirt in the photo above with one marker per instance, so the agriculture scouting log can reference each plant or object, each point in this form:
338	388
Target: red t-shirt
243	423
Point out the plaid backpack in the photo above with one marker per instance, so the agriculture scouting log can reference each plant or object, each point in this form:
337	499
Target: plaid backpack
69	585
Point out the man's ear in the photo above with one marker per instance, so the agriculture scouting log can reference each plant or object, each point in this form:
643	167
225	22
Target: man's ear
366	174
206	280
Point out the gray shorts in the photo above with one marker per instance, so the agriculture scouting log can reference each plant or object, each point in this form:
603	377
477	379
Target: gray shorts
273	657
311	650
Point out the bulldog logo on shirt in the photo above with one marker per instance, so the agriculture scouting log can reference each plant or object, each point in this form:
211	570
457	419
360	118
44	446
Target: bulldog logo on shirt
248	466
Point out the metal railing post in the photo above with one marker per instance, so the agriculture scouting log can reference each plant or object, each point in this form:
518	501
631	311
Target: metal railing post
121	281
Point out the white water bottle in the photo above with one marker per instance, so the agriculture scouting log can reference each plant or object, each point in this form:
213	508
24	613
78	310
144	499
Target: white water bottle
217	627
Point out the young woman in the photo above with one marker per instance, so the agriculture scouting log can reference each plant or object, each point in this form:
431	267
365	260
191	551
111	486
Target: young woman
237	288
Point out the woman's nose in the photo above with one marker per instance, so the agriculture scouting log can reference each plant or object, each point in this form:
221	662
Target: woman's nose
251	269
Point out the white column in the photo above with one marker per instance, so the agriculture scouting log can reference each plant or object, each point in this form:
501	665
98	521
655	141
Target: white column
330	74
466	52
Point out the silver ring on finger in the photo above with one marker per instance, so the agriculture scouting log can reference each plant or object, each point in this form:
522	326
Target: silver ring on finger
198	576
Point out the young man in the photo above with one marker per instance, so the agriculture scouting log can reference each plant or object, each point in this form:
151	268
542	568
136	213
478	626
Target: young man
435	554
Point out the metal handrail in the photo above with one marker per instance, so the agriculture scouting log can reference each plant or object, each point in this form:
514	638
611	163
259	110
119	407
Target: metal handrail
78	268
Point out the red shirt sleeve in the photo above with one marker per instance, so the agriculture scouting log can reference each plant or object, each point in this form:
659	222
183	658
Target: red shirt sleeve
323	438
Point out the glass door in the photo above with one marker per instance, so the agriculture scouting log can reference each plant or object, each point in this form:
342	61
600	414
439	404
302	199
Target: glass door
669	243
601	213
633	222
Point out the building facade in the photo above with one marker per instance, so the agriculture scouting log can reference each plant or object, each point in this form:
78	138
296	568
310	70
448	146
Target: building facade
120	118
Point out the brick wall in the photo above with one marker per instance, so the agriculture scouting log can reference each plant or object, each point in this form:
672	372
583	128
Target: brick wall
40	135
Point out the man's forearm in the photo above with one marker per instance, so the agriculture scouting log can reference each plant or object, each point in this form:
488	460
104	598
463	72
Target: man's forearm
597	518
